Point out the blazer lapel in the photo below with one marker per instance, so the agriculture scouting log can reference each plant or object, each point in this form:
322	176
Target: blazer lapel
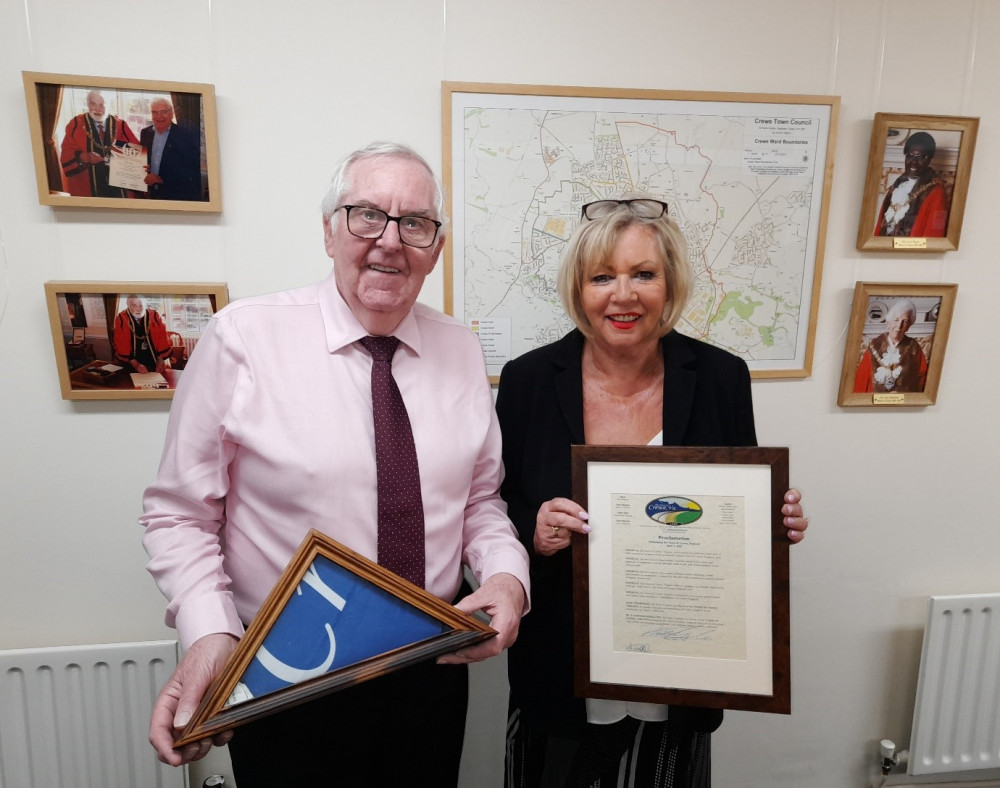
679	376
567	359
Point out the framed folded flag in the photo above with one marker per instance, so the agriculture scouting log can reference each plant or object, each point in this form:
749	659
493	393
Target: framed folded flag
333	620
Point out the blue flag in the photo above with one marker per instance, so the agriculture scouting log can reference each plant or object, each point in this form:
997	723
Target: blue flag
334	619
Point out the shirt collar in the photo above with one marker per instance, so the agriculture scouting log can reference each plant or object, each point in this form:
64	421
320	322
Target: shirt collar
343	328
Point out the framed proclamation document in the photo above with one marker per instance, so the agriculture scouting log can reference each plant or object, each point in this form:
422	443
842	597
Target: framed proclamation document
333	620
680	591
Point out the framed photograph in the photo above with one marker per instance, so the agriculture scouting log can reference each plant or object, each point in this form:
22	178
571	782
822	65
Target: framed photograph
746	177
916	183
333	620
895	344
123	143
127	340
680	593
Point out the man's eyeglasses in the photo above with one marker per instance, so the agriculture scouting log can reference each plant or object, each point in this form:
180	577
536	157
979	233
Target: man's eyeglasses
642	207
370	223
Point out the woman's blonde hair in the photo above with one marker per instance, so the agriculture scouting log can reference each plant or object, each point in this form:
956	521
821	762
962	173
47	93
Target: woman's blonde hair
594	242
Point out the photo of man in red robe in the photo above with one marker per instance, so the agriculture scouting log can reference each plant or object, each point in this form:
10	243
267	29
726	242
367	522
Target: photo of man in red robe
86	150
916	205
140	338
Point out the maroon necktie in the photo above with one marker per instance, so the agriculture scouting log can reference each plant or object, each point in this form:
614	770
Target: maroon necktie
400	507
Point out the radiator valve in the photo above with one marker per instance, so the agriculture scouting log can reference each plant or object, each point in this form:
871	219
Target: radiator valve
887	749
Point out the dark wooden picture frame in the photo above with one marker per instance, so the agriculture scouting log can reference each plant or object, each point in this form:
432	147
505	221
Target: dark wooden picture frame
870	377
84	318
64	139
755	479
357	576
928	212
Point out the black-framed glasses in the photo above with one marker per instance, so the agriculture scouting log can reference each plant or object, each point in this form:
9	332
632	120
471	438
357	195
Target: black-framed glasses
363	221
642	207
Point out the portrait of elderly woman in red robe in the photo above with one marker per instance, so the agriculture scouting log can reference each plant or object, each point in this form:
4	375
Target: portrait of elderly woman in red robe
893	361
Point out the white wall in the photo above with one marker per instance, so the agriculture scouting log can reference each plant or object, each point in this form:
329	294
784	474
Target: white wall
899	499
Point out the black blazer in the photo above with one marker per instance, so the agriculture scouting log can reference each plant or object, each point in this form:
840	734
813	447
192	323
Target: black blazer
180	165
706	402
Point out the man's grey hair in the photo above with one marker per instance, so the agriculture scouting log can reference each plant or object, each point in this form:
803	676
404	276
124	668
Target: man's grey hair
340	181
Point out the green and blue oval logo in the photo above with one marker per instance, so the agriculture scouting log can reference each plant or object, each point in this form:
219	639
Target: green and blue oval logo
673	510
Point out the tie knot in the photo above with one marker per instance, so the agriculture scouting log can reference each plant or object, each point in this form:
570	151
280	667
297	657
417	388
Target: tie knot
381	348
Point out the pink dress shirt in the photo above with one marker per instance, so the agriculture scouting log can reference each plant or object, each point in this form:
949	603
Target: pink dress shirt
271	434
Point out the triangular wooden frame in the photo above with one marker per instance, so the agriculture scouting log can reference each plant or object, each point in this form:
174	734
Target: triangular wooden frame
213	716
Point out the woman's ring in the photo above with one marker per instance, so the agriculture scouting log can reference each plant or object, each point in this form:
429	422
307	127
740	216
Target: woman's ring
555	531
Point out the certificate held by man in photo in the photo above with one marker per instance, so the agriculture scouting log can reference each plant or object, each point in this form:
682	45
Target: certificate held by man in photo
679	575
127	168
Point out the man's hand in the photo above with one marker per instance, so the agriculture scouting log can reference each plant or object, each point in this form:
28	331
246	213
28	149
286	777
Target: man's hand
502	599
180	696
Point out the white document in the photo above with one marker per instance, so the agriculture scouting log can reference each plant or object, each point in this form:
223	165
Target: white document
127	168
149	380
679	575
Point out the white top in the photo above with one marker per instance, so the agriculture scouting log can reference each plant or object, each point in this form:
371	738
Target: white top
605	712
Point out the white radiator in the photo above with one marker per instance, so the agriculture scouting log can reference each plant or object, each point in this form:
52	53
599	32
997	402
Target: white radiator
956	719
78	716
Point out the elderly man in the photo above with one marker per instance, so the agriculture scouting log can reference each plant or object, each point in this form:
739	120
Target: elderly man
893	362
173	156
271	434
86	150
916	204
140	337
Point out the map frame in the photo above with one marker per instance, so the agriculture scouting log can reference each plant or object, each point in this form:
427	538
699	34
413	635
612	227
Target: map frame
459	97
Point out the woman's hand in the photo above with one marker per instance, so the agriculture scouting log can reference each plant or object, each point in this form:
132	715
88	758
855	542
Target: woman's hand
554	525
793	520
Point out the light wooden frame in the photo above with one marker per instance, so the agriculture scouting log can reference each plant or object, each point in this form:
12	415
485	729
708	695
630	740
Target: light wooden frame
214	716
885	163
935	306
47	153
535	260
75	384
678	661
